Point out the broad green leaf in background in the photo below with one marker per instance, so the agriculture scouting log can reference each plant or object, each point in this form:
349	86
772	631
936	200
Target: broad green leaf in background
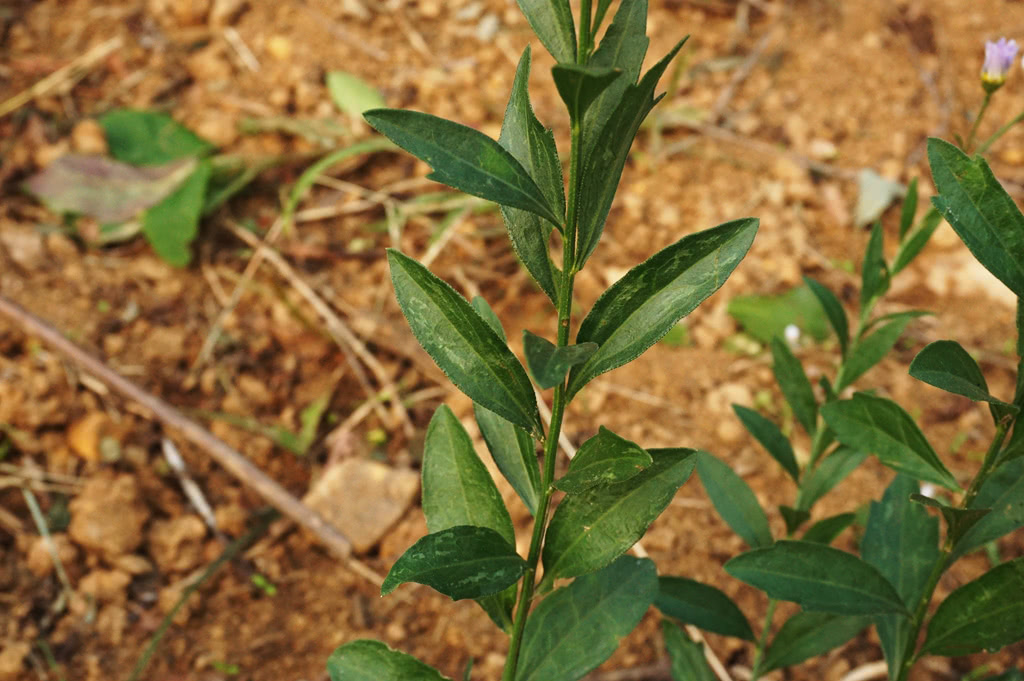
829	473
794	385
793	517
590	529
765	317
579	85
104	189
602	166
946	365
879	426
958	520
770	437
645	304
827	529
909	209
457	488
171	225
461	562
874	195
603	459
985	614
833	311
550	363
871	349
513	452
579	626
874	272
367	660
352	94
1003	492
701	605
818	577
1012	675
901	540
916	242
551	21
523	136
463	158
147	138
980	211
687	656
468	351
734	500
809	634
623	48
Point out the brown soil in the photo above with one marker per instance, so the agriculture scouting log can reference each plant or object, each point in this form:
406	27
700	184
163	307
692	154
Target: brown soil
853	85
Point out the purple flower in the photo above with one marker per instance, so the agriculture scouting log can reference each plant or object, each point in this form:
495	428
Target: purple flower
999	58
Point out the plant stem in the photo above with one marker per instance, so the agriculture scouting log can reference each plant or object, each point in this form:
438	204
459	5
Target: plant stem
584	42
557	412
977	121
762	641
1000	132
943	561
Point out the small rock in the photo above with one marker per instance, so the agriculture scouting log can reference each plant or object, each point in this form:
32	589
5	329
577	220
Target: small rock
133	564
23	245
12	660
108	515
177	544
48	153
169	597
106	586
721	399
85	433
111	622
279	47
231	519
224	12
38	558
363	499
255	390
218	127
209	64
823	149
488	28
87	137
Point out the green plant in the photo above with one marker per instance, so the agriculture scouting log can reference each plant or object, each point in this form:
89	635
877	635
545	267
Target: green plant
614	488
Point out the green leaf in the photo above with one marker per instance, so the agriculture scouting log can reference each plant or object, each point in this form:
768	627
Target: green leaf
794	384
765	317
523	136
171	225
475	359
704	606
101	188
809	634
147	138
958	520
578	627
771	438
793	517
463	158
818	577
833	310
909	209
590	529
985	614
602	9
870	350
734	501
827	529
881	427
461	562
457	489
829	473
946	365
352	94
602	166
366	660
1003	492
916	242
604	459
643	305
487	314
980	211
579	85
550	363
623	47
513	452
874	273
687	656
551	21
902	541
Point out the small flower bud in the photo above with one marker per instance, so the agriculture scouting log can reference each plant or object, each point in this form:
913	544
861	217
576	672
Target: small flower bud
999	58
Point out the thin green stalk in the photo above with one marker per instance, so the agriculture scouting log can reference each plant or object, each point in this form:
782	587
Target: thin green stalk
977	121
584	43
762	641
1000	132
